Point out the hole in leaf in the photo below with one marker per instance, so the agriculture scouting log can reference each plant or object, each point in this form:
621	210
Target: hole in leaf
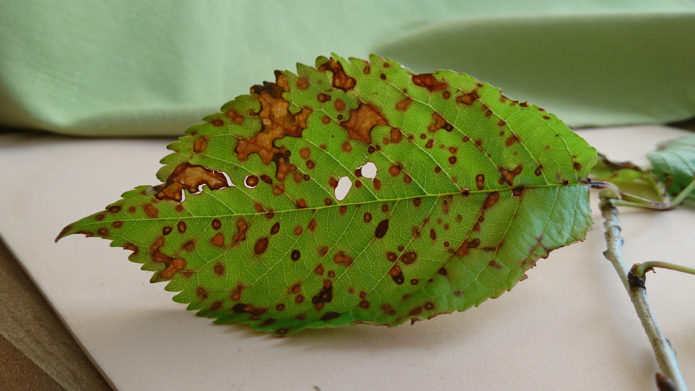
344	186
368	170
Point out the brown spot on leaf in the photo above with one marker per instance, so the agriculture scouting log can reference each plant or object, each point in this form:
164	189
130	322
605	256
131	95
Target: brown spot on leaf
302	82
494	264
340	78
437	123
301	203
305	153
361	122
427	80
452	159
295	255
325	295
190	177
395	135
342	259
275	228
131	247
181	226
467	244
172	264
367	217
511	140
381	228
468	99
166	230
200	144
377	184
260	246
508	176
234	116
189	245
409	257
480	181
397	274
201	292
277	122
491	199
322	250
518	191
394	170
404	104
330	315
323	98
312	225
150	211
346	146
218	269
117	224
217	240
251	181
539	170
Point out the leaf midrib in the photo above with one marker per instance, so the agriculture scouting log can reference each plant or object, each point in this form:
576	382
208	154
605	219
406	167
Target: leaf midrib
317	208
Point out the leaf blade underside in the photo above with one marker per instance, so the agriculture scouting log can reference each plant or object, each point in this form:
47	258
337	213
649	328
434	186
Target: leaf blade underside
249	226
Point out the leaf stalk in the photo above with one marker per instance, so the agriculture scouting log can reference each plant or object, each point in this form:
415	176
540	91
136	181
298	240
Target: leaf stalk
670	377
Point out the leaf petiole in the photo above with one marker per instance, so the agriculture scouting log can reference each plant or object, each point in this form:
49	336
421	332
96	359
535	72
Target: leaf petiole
640	269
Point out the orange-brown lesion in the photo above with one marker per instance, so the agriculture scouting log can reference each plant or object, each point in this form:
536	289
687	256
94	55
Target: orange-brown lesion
438	122
190	177
427	80
277	122
340	78
172	265
361	122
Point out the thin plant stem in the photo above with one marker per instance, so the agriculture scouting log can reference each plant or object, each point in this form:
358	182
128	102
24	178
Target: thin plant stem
684	194
670	377
640	269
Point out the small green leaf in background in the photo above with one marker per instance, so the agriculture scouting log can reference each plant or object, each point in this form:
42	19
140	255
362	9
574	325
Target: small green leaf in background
672	171
674	163
629	178
355	191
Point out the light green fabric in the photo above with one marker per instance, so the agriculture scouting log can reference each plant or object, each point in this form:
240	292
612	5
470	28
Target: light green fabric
155	67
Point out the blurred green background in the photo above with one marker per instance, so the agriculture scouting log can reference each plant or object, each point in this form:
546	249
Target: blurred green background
156	67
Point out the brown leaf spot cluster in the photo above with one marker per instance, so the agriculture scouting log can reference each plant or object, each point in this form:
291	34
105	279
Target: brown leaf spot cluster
190	177
277	122
340	78
427	80
361	122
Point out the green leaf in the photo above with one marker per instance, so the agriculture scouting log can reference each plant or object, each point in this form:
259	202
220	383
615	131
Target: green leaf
630	179
252	223
674	163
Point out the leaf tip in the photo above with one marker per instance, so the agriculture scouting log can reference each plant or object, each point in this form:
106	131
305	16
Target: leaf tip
67	230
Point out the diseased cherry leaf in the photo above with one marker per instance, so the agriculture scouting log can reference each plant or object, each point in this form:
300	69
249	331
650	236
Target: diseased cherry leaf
355	191
674	163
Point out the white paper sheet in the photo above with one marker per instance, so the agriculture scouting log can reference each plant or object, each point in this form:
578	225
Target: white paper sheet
570	326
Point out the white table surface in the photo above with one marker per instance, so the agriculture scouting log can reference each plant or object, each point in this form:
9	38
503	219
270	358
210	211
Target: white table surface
570	326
